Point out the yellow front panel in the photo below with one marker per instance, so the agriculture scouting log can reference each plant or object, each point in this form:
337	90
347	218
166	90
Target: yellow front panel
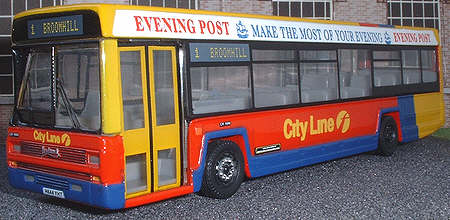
429	110
110	88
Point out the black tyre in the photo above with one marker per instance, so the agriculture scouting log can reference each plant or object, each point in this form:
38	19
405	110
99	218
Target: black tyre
224	170
388	139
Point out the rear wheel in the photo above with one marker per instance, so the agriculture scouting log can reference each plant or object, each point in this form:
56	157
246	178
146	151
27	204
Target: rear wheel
224	170
388	139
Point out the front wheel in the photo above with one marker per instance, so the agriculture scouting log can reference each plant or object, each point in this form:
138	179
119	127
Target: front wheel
388	139
224	171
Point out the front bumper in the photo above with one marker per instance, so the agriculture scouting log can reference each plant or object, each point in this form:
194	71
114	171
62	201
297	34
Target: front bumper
104	196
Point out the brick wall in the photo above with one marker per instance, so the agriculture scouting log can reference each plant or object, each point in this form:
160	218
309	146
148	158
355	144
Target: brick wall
238	6
5	115
366	11
447	112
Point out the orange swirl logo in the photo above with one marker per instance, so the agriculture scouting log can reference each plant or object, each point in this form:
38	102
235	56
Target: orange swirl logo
343	118
65	139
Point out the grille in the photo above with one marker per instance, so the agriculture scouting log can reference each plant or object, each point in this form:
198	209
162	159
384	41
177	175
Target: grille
59	153
55	171
52	182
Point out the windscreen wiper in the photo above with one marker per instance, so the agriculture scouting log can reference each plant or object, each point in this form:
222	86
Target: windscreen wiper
69	107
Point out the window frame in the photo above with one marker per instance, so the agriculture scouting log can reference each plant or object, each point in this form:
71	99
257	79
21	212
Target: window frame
50	115
418	66
328	60
276	8
294	61
188	82
399	60
436	12
402	88
369	58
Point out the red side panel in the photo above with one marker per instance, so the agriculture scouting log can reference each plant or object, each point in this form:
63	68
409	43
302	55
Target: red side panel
295	128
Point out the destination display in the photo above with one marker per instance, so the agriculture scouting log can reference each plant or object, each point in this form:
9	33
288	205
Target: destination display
152	24
208	52
55	27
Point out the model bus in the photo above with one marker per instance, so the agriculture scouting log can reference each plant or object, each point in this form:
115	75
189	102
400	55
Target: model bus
118	106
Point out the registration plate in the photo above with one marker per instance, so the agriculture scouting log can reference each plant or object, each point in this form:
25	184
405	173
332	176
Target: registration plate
53	192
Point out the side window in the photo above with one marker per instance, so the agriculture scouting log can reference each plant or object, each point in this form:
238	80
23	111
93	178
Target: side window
429	66
411	66
386	67
219	89
354	76
133	108
318	75
275	82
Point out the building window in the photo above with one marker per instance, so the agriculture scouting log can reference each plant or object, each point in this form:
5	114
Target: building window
188	4
316	9
8	9
413	13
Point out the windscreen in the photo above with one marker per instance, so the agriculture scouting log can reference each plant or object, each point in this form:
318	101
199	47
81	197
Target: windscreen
37	93
60	88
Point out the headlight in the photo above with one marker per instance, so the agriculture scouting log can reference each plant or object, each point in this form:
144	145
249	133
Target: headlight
94	159
17	148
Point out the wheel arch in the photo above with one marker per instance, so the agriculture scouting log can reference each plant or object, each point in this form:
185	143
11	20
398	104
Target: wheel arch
395	114
237	135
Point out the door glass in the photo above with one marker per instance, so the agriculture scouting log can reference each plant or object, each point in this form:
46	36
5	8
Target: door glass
167	167
133	108
162	64
136	171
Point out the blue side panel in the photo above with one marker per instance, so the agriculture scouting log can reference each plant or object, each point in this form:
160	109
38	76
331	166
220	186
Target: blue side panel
277	162
108	197
280	161
410	132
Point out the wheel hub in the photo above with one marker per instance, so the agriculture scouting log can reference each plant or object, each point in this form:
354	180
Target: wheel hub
226	168
390	135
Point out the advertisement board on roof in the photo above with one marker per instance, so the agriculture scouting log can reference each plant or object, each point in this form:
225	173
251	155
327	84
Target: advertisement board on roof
152	24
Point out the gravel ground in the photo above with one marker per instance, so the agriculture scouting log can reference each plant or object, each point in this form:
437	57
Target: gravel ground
413	183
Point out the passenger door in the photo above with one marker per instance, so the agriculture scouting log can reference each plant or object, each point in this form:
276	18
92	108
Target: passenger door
151	128
136	120
165	117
